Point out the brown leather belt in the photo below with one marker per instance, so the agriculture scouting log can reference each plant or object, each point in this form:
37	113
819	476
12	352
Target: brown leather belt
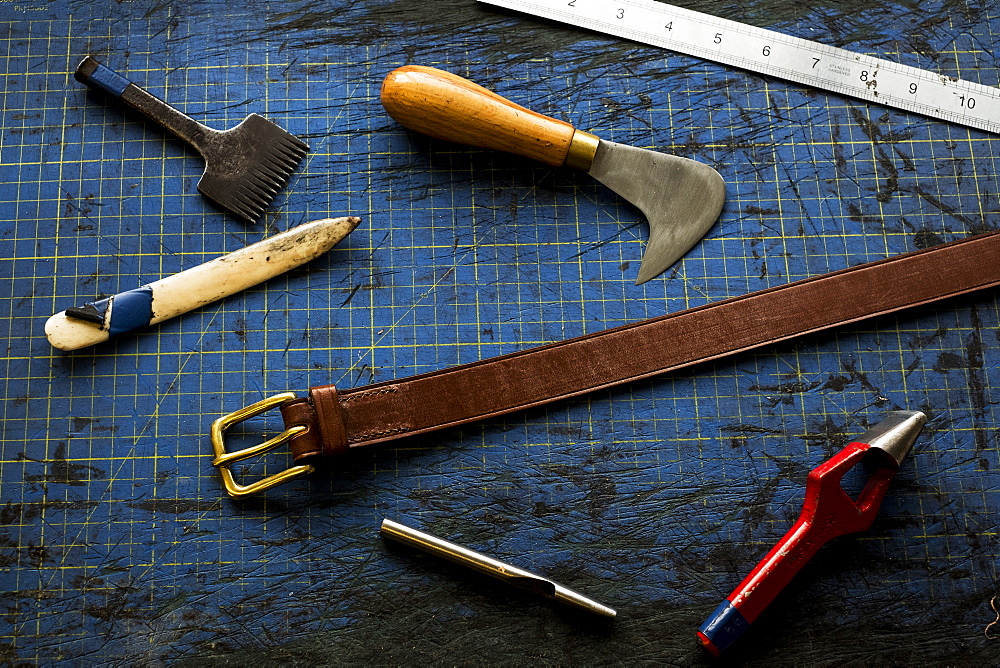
331	421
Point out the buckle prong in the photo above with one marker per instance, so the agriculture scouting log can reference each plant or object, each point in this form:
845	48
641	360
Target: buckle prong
223	459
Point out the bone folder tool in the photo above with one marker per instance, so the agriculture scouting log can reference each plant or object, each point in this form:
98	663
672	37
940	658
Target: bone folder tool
150	304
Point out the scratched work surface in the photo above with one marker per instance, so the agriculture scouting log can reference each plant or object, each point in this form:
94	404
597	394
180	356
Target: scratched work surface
116	542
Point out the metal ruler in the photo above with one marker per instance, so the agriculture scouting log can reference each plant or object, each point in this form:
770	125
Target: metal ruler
778	55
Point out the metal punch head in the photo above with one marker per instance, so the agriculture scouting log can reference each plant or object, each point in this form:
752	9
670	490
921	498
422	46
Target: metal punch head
895	434
512	575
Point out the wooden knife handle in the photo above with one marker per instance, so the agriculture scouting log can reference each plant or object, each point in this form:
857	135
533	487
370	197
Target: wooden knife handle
446	106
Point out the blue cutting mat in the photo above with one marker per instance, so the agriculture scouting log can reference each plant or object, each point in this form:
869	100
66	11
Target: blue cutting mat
116	542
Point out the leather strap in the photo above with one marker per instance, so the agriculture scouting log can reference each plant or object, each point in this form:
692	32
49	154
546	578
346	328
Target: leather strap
354	417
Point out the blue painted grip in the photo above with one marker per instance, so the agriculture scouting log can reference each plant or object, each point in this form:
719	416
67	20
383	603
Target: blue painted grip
724	626
103	78
130	310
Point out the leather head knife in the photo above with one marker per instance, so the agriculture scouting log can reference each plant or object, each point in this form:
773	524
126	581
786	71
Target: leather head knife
681	198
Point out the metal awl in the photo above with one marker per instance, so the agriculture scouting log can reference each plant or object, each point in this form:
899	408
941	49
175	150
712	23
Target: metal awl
512	575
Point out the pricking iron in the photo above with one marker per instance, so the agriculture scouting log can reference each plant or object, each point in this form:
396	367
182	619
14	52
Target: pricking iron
245	166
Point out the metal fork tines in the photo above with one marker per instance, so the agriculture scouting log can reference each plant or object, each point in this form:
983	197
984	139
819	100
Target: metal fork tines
245	167
257	159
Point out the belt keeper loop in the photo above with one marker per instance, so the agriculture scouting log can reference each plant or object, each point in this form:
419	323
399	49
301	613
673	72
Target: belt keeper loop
305	445
330	419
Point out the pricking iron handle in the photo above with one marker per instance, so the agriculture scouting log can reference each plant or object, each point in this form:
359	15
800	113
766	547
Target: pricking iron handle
827	512
446	106
106	80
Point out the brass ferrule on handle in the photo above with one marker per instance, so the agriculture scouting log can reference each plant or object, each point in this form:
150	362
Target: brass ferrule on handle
582	149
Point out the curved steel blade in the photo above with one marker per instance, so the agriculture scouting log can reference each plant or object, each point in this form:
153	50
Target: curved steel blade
681	198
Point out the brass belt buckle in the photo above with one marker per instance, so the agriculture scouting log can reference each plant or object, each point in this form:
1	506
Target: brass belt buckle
223	459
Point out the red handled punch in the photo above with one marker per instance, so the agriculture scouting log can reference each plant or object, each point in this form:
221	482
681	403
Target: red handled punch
828	512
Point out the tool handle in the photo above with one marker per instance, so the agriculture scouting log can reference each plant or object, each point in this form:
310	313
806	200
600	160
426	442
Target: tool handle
106	80
733	617
827	513
446	106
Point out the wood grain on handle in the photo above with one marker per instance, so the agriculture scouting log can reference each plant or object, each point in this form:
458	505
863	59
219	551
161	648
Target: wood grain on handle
446	106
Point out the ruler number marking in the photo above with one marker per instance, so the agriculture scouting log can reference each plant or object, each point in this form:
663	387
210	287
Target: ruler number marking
870	82
787	57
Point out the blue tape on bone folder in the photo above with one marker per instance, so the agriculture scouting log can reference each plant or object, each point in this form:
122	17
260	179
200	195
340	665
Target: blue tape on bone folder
129	310
109	81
